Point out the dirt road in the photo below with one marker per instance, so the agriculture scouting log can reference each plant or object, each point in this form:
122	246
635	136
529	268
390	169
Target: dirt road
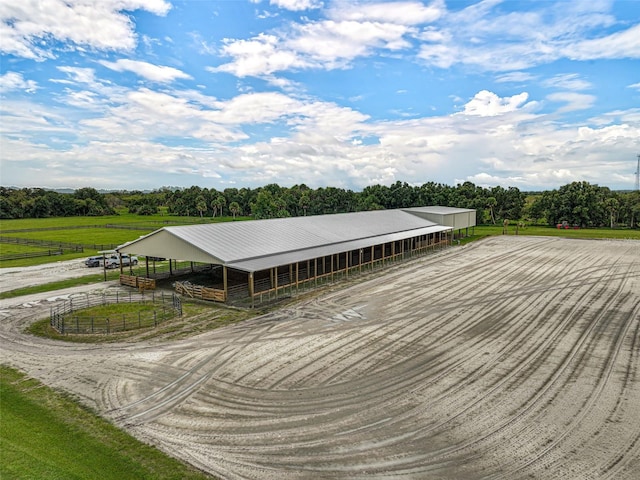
19	277
511	358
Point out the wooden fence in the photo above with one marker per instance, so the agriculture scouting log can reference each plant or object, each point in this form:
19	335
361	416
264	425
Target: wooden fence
198	291
141	283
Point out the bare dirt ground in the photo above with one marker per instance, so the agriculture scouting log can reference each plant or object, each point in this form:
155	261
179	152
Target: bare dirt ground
510	358
19	277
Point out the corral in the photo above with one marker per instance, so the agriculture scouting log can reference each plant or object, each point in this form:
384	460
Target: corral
513	358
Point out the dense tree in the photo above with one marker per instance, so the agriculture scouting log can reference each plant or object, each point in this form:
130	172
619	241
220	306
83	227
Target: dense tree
578	203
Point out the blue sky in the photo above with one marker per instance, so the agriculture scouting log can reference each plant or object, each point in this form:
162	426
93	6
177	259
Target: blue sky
140	94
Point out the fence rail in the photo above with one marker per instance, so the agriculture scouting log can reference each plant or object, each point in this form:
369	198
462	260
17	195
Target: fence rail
75	247
40	253
65	320
198	291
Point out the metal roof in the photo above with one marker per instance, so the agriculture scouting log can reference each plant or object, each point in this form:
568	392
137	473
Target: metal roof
439	210
260	244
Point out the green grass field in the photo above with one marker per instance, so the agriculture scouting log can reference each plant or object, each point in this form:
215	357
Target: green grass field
482	231
101	237
46	435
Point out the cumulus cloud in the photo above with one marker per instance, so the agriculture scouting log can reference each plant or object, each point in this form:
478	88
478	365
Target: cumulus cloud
296	5
15	81
401	13
301	140
155	73
261	55
29	28
349	31
488	104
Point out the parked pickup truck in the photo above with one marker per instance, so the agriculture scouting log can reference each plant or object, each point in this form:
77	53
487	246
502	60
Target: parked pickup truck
113	261
93	261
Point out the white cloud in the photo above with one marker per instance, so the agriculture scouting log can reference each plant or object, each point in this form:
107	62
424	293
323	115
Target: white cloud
262	55
155	73
29	27
482	37
635	86
78	74
401	13
331	43
488	104
515	77
625	44
573	101
568	81
15	81
496	140
296	5
351	31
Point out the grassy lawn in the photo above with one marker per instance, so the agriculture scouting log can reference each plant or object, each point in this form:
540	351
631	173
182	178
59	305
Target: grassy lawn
89	236
44	434
483	231
153	221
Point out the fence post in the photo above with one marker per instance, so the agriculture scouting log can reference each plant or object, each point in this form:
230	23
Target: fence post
107	321
155	321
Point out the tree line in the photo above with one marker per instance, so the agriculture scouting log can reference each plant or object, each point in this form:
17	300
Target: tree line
577	203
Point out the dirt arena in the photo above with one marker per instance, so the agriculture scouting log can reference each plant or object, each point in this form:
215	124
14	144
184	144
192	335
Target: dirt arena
510	358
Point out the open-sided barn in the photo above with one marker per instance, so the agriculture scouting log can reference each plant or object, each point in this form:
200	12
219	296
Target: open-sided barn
250	258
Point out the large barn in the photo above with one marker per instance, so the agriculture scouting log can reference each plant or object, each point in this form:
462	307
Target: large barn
249	259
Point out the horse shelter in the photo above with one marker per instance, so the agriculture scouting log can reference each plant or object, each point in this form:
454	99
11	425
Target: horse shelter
247	260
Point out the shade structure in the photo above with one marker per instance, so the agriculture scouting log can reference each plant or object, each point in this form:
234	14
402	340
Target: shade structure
256	245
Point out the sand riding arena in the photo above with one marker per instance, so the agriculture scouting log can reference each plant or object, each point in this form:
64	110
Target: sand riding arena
510	358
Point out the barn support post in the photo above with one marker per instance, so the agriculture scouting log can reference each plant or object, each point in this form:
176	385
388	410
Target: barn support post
315	271
297	276
146	261
171	267
332	268
225	282
275	280
346	263
251	293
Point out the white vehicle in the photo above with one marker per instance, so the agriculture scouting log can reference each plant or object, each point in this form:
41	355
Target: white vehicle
113	261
